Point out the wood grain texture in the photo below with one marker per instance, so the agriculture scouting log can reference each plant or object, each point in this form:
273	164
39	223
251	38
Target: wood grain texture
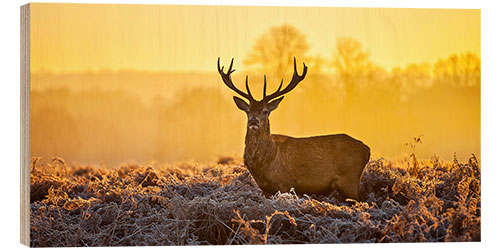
25	124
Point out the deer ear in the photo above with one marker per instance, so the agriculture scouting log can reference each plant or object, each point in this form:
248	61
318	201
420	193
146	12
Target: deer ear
241	104
274	104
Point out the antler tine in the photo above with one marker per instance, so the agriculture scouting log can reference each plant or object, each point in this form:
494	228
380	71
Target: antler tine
226	78
296	78
304	72
248	89
265	84
294	65
230	66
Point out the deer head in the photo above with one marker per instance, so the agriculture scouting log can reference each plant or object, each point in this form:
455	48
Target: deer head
258	111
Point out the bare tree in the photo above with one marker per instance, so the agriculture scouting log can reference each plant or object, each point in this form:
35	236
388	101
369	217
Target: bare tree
355	70
274	50
351	62
458	70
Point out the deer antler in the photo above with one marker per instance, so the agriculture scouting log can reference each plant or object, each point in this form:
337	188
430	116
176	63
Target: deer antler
296	78
226	78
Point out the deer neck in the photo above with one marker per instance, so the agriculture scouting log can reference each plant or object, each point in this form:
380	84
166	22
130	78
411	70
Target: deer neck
260	150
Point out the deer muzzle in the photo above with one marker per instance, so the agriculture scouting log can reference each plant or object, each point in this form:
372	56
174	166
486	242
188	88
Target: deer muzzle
253	123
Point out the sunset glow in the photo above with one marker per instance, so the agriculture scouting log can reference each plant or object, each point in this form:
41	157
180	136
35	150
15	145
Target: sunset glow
115	83
82	37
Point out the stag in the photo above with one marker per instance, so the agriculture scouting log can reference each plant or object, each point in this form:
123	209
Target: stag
312	165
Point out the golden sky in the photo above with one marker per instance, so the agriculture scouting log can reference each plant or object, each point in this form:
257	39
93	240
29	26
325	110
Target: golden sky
190	115
82	37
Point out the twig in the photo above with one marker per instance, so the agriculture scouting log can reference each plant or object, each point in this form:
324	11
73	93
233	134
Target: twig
134	233
118	215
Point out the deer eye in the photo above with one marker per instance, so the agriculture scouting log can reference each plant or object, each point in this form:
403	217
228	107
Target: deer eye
265	112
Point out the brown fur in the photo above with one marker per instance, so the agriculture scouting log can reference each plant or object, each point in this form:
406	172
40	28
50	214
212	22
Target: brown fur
313	165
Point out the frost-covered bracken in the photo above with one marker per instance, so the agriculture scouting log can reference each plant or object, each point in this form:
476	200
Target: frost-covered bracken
219	203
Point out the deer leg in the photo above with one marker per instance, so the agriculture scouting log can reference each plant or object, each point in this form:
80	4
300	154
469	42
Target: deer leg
266	194
349	189
334	186
336	191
